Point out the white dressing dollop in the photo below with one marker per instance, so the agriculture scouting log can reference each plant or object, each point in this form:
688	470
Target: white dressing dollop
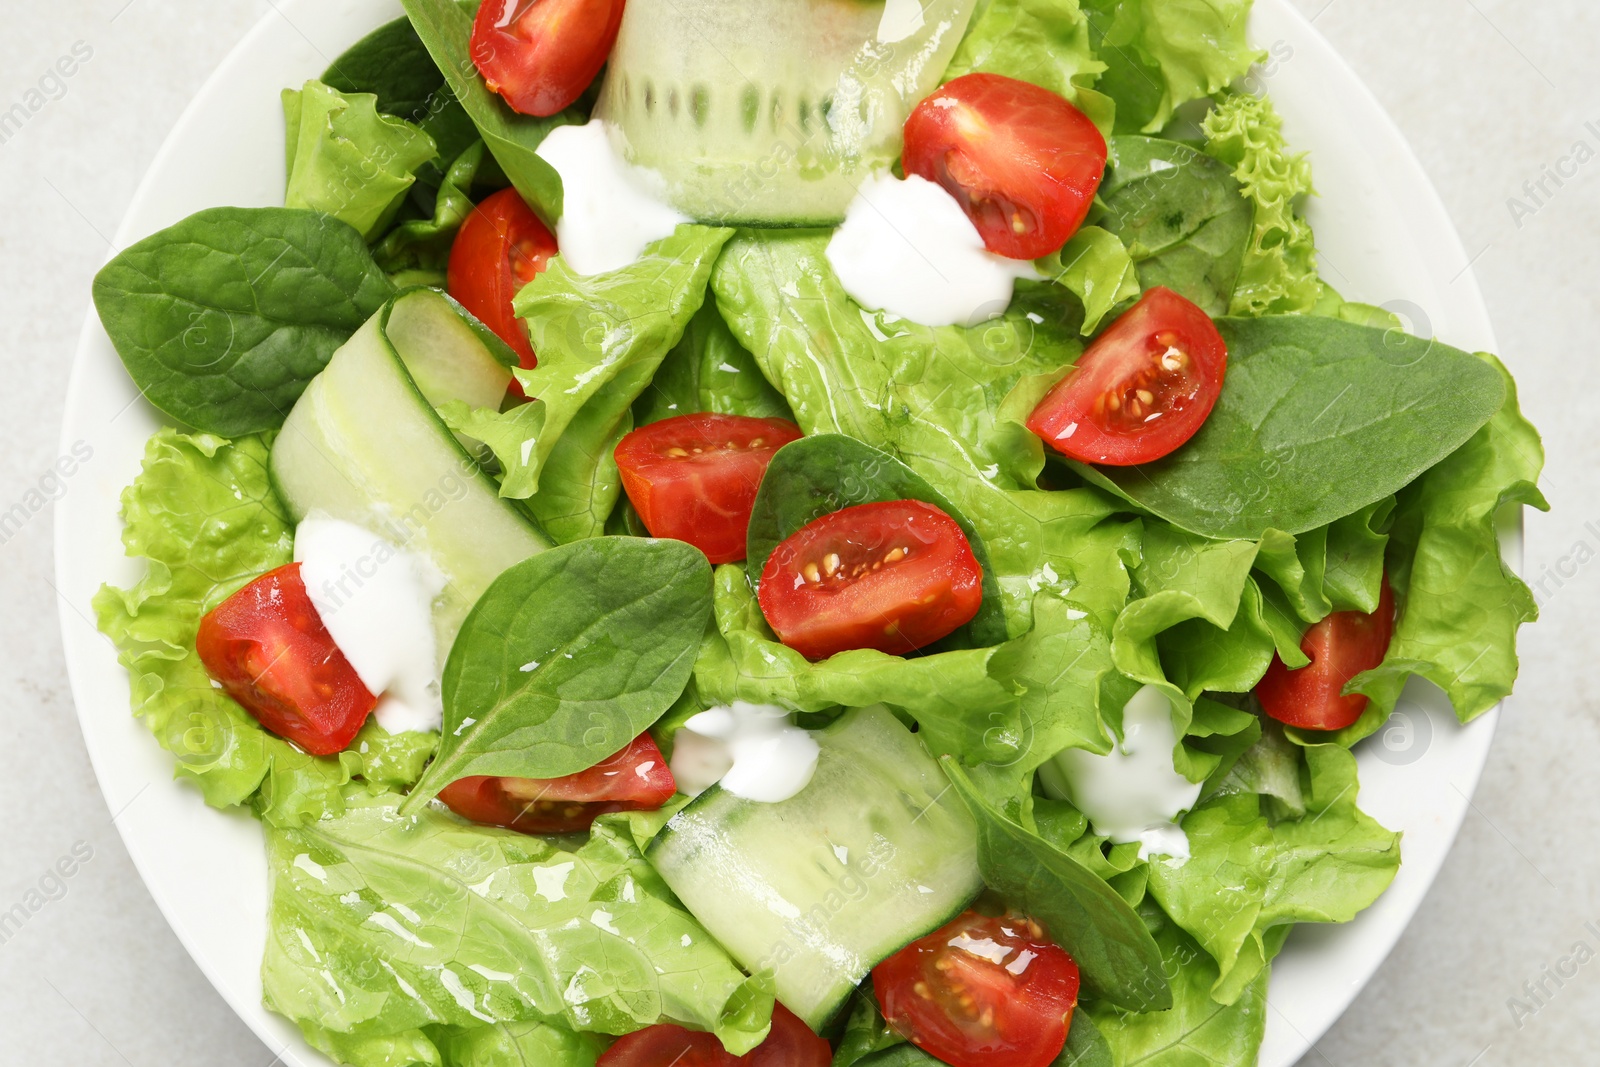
907	248
752	749
377	602
610	209
1134	793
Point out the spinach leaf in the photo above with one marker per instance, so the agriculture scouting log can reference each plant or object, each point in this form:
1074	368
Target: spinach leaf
1086	1045
1318	419
1461	603
902	1055
424	244
1182	215
567	657
392	63
1119	960
865	1031
223	319
816	476
1196	1031
513	139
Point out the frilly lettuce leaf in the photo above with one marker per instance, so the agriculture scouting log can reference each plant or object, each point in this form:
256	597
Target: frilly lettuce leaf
347	160
203	516
385	927
1279	275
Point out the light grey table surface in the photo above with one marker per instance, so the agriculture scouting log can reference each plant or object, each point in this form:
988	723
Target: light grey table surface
1491	93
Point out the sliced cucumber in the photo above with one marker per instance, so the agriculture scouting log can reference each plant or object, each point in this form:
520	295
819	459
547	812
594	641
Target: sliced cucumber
364	444
771	112
450	357
874	853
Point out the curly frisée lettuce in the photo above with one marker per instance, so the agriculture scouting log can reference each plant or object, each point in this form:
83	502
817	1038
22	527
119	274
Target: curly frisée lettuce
203	517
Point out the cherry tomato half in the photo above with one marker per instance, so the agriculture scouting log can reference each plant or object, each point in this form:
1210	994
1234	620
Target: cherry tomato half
694	477
1023	163
790	1044
268	648
893	576
981	992
635	779
1141	389
540	55
1341	646
500	247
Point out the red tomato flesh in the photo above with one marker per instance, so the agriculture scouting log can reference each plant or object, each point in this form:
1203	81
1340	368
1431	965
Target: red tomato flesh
540	55
981	992
268	648
892	576
1023	163
1141	389
635	779
790	1044
1341	646
500	247
694	477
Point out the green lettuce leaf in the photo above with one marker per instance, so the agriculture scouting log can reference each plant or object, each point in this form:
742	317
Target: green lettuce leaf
1246	875
1045	42
1161	54
1119	960
600	339
509	435
709	370
522	1044
347	160
1197	1031
204	518
1460	603
1095	267
949	402
1279	275
384	927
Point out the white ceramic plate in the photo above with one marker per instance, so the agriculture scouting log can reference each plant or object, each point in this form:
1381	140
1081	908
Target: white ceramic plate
1384	237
